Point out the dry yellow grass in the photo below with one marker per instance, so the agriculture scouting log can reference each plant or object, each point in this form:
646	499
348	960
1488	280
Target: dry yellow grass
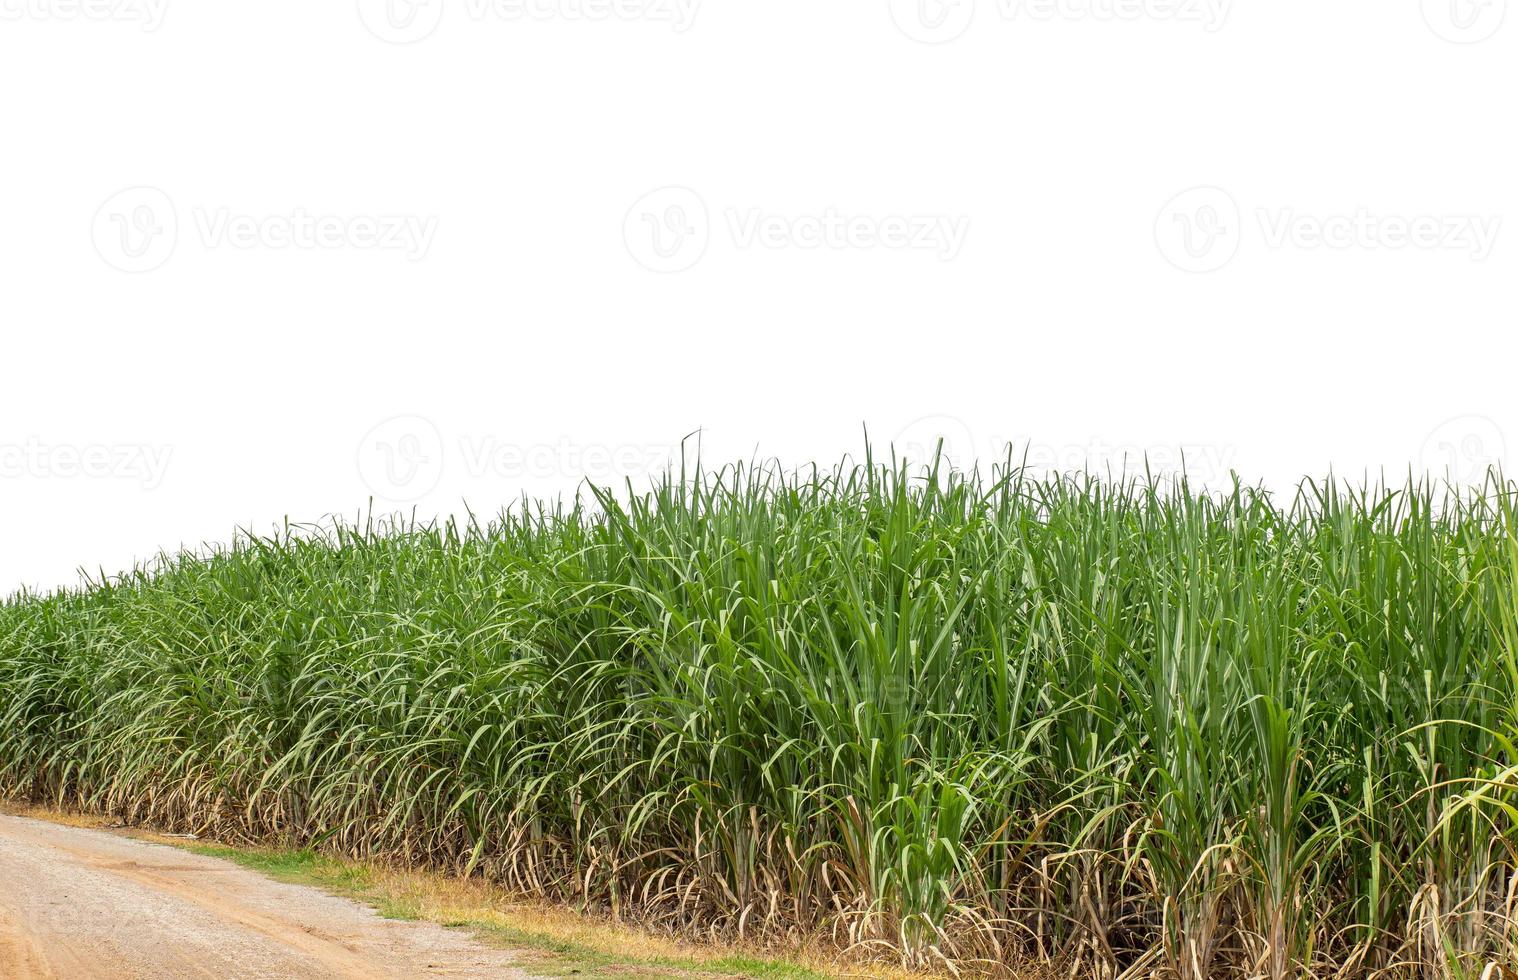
556	940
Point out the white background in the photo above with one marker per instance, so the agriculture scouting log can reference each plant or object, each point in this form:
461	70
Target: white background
541	333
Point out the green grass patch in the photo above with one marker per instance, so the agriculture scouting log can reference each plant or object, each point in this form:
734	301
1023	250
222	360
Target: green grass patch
559	957
982	718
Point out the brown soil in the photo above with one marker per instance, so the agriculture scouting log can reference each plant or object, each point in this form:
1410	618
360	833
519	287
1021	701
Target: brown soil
79	904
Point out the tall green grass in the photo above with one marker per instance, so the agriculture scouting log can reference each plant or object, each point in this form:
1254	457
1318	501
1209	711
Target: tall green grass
1127	727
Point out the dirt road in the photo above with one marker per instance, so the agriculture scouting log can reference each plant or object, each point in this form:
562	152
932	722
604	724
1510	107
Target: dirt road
87	905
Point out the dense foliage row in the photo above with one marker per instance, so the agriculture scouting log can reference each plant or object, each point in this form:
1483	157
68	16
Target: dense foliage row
1123	727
